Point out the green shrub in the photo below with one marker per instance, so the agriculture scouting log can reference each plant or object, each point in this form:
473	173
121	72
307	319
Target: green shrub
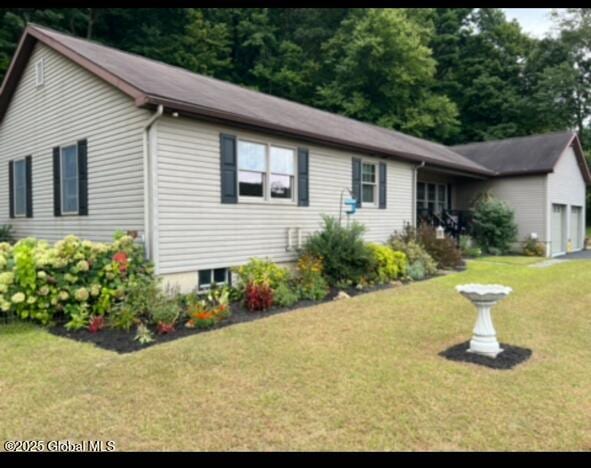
165	310
258	271
416	271
344	254
73	279
443	251
6	233
311	284
414	252
533	248
468	247
285	296
389	265
493	225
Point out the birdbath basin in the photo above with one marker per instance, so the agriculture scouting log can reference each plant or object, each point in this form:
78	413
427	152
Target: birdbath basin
484	297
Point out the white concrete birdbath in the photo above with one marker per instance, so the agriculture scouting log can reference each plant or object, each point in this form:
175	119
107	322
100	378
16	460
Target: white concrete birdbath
484	297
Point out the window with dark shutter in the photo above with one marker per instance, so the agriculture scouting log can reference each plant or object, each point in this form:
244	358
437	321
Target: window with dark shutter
82	178
303	177
356	183
11	188
57	191
383	183
29	192
228	168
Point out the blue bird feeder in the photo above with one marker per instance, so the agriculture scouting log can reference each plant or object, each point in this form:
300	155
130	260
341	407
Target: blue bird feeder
351	206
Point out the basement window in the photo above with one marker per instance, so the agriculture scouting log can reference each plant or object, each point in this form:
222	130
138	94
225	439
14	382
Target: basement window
215	276
40	73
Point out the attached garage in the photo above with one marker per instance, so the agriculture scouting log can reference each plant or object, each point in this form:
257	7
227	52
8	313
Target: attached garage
558	223
576	227
543	178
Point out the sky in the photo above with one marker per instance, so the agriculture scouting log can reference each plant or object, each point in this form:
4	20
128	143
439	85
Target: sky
535	21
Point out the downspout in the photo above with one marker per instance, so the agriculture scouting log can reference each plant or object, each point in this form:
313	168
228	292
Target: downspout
414	192
149	160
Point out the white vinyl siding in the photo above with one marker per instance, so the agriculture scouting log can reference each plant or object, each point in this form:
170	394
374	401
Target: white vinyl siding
566	186
525	195
196	231
75	105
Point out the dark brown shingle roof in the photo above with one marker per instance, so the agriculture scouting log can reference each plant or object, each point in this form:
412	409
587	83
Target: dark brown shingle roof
150	83
536	154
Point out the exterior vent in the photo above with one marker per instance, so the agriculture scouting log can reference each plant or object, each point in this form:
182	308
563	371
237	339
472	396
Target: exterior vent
40	73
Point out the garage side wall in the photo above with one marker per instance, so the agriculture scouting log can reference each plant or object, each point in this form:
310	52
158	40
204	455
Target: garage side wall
525	195
566	186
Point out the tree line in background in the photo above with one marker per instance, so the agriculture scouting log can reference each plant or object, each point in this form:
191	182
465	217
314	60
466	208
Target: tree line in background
449	74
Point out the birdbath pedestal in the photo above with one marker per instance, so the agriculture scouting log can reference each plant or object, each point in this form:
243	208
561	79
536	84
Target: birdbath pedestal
484	297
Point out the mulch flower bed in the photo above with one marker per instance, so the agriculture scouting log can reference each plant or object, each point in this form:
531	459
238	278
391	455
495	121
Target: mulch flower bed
508	359
123	341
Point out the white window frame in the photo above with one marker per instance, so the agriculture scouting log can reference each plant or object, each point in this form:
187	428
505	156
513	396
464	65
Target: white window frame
424	202
207	286
373	204
14	189
63	211
267	198
40	73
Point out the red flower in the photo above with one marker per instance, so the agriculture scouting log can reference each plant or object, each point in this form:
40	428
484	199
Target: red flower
122	259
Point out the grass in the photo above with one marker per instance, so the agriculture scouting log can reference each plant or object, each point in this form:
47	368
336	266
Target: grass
358	374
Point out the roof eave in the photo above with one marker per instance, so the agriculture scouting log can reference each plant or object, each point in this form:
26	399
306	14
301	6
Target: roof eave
578	148
23	52
207	113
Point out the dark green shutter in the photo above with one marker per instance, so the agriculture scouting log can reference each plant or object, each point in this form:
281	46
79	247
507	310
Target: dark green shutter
29	178
303	177
83	178
57	197
11	188
229	168
356	183
383	179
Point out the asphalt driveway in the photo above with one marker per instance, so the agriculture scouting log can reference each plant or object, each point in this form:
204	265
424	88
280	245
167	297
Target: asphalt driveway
580	255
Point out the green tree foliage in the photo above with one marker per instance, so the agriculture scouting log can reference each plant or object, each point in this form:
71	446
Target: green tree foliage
382	71
448	74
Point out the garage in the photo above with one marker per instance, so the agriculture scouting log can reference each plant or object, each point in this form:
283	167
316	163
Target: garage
558	229
576	227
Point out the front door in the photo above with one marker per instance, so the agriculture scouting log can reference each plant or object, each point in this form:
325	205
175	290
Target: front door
558	229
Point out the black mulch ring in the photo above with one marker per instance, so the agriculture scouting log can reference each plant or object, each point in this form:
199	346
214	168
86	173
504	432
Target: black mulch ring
508	359
123	341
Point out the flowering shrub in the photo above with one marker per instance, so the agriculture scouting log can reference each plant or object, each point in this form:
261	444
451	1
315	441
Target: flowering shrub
73	278
389	264
205	313
311	282
258	296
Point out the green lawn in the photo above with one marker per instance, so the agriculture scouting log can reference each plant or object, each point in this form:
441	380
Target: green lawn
359	374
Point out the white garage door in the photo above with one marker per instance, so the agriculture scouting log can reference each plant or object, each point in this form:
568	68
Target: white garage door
558	229
576	220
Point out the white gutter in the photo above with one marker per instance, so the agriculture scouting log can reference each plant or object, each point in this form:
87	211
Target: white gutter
149	181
